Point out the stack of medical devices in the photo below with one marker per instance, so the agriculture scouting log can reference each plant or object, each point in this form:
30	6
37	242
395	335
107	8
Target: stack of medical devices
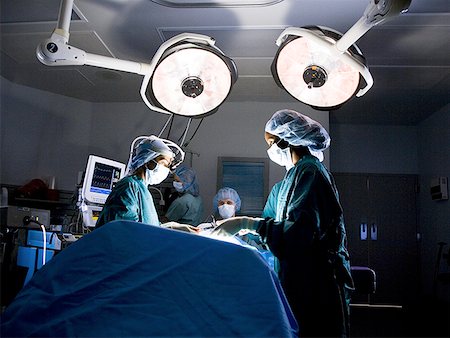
39	248
100	177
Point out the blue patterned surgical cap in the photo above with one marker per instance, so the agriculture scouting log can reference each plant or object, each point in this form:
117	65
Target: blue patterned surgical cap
147	150
188	178
299	130
227	193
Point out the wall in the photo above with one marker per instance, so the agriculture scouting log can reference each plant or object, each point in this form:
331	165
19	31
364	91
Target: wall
423	150
42	134
374	149
434	161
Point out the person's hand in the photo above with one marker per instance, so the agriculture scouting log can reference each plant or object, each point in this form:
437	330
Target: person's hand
181	227
231	226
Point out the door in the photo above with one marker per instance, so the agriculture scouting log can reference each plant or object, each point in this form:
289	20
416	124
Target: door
353	195
381	220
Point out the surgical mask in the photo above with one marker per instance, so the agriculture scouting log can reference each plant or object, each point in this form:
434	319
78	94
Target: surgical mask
178	186
156	175
280	156
226	210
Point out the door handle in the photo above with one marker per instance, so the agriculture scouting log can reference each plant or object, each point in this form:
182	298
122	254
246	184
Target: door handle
374	232
363	231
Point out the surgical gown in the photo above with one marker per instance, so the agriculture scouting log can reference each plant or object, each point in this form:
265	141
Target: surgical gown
186	209
307	236
270	209
130	200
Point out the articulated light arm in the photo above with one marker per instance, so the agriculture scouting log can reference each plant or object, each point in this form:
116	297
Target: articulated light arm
56	51
377	12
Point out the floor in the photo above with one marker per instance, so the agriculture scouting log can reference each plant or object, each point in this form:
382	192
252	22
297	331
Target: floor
426	319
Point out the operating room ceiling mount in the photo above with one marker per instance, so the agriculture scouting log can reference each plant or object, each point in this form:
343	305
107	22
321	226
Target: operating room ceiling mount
188	75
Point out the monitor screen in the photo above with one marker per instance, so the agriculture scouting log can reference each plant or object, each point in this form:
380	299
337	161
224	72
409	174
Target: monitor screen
100	178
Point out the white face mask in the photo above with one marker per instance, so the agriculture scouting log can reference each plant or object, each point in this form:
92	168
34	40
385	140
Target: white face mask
226	210
280	156
156	175
178	186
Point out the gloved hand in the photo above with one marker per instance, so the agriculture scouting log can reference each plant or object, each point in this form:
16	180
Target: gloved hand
180	227
230	226
252	238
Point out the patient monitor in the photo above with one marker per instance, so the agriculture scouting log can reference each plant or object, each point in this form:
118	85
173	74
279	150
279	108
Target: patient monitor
100	178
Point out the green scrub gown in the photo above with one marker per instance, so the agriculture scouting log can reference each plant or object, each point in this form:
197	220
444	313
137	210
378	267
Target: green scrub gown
130	200
186	209
307	236
270	209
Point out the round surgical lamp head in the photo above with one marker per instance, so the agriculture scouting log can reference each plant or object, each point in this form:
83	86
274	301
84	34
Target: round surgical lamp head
191	78
309	67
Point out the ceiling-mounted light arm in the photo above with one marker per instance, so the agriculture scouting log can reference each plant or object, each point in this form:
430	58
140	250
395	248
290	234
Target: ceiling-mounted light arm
64	17
346	58
377	12
183	37
210	73
323	68
56	51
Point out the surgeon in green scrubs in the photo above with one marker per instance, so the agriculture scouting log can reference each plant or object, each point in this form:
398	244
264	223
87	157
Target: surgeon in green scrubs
187	208
270	209
307	232
130	199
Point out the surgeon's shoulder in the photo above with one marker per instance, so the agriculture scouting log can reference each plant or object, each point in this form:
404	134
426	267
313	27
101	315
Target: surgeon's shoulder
309	167
129	182
309	162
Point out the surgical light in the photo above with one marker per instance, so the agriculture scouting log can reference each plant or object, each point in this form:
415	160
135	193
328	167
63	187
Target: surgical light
310	73
323	68
190	79
188	75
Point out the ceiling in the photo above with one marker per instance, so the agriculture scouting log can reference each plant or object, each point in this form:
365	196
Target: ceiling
409	56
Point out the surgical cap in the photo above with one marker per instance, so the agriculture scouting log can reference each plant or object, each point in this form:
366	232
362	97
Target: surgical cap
299	130
147	150
227	193
188	178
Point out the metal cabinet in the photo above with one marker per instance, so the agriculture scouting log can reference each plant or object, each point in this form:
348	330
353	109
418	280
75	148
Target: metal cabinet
381	220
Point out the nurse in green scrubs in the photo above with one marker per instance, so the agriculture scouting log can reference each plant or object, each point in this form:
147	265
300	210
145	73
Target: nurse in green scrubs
130	199
187	208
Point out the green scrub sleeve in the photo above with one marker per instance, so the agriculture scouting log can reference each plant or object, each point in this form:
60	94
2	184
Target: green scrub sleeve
176	210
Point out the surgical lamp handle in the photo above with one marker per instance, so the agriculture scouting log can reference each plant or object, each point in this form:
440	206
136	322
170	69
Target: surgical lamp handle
377	12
